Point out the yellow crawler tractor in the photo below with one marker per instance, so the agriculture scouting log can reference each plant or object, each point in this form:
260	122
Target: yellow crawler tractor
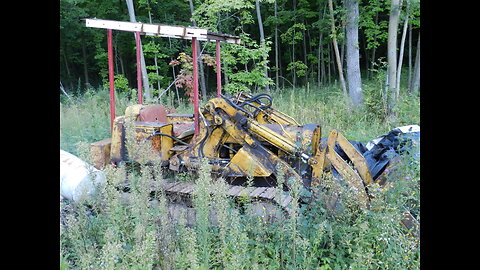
242	136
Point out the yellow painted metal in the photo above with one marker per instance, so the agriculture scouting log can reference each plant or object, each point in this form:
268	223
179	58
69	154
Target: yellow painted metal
166	142
262	131
356	176
352	178
100	153
160	143
275	117
318	165
356	157
272	137
117	149
316	137
213	142
245	162
143	130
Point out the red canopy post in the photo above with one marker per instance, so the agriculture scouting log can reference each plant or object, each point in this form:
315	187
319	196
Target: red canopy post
139	68
158	30
195	84
219	70
111	77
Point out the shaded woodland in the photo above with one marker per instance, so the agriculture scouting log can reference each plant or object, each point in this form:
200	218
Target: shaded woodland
284	44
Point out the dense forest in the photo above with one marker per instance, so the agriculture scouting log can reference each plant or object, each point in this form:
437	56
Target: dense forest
284	44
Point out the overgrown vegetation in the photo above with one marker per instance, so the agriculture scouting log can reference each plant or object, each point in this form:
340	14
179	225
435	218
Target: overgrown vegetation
106	233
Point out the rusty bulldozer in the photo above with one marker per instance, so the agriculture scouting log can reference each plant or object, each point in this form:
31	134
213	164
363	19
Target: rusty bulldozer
242	136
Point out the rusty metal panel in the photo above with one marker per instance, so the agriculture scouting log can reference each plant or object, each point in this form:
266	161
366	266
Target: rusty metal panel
410	223
156	113
183	129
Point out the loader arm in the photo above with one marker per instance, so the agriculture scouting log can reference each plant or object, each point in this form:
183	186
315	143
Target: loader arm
261	148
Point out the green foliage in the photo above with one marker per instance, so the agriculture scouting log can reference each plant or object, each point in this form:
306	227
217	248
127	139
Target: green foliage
376	30
87	118
374	95
299	67
293	34
238	59
121	83
414	13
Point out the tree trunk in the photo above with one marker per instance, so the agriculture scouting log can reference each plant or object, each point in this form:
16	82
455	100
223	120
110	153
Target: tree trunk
64	92
203	86
329	65
342	48
146	83
320	64
85	69
416	72
353	53
262	40
335	47
400	56
276	49
305	53
392	48
174	76
409	57
320	59
68	70
374	41
293	44
155	58
366	56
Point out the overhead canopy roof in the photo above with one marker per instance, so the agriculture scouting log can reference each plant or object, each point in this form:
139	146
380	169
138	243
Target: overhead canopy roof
161	30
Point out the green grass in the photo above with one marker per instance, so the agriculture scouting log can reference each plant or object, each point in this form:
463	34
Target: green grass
108	234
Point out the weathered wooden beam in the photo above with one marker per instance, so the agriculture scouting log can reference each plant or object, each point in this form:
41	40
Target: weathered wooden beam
161	30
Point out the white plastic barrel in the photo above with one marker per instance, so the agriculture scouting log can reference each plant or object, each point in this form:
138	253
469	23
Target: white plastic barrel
77	178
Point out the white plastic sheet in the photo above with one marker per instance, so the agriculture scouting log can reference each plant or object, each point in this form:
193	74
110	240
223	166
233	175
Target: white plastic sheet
77	178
